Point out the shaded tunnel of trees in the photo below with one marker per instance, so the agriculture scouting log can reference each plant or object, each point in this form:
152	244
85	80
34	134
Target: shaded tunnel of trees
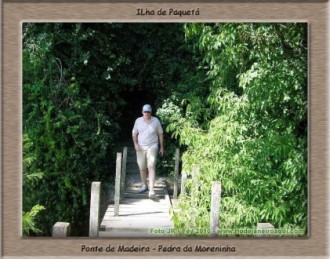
232	96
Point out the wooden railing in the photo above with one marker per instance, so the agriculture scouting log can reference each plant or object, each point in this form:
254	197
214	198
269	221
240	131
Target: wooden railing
94	212
215	197
117	183
62	229
123	173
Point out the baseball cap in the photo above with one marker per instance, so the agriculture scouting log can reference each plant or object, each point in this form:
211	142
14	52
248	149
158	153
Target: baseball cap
146	108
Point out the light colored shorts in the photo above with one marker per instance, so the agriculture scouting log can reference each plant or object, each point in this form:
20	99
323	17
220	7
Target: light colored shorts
147	157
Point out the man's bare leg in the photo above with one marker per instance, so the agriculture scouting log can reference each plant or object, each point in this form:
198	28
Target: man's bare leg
152	175
143	174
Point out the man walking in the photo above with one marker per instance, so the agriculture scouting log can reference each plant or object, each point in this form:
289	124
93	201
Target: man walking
147	131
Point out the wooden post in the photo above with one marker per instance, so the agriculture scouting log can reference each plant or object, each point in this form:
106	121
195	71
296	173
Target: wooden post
183	179
263	230
117	184
215	209
61	229
176	173
195	172
123	173
94	212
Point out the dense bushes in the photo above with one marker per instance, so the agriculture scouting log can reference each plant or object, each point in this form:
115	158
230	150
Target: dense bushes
250	131
69	124
234	96
83	87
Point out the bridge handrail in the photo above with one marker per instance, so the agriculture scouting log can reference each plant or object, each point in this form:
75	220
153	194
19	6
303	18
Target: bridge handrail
123	173
117	183
94	212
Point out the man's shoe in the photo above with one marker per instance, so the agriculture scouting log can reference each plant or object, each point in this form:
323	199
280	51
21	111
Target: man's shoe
143	188
151	194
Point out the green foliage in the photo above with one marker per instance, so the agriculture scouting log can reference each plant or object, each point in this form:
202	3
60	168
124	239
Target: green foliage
234	96
29	221
31	176
249	129
82	86
68	123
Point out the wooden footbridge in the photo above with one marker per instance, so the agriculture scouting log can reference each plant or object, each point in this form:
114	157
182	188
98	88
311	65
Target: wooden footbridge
125	212
138	214
134	214
130	213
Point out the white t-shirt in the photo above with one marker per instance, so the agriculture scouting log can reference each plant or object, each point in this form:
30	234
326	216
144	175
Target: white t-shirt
147	131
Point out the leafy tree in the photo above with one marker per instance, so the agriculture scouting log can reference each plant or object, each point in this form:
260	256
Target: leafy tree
69	122
251	132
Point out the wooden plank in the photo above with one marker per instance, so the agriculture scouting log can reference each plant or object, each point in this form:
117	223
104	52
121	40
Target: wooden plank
143	196
142	201
136	192
137	213
128	216
160	196
136	199
121	225
61	229
137	188
145	205
118	223
215	209
136	232
94	211
140	207
133	210
164	208
137	229
117	184
137	222
125	234
123	173
131	216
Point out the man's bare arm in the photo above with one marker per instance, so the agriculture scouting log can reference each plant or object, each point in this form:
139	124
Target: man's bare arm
136	144
161	141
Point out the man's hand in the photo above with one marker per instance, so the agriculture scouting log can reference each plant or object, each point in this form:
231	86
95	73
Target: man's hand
161	151
136	146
